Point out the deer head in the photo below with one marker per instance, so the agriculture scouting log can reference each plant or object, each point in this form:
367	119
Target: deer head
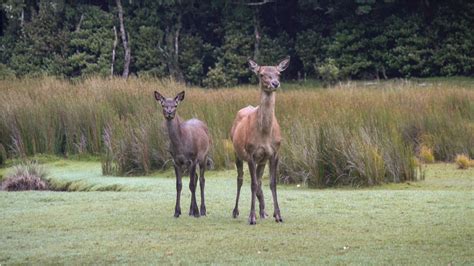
169	105
269	76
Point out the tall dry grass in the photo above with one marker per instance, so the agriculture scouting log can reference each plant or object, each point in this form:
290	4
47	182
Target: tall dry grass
350	134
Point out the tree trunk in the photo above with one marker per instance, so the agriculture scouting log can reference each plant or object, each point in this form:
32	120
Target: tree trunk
22	22
256	51
384	73
113	52
172	51
178	73
125	39
78	27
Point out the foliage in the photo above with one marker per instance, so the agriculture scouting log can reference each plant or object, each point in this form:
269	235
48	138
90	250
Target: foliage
231	67
328	72
208	42
148	60
91	44
191	58
310	49
216	78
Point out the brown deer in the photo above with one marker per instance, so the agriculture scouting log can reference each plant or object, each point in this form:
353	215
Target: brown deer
189	146
256	138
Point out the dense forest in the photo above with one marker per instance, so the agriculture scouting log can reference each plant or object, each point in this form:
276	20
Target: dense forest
206	43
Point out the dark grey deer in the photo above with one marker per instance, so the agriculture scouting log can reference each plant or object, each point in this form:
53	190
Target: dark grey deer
189	146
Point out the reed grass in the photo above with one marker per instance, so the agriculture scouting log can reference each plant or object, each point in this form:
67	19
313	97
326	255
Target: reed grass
352	133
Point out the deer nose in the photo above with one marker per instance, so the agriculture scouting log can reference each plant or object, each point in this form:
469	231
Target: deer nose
275	84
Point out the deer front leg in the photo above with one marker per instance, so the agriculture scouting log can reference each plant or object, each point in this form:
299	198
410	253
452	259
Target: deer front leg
254	186
193	209
240	179
202	184
179	186
261	200
273	186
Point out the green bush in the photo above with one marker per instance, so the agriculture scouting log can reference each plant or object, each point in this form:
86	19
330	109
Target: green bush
216	77
328	72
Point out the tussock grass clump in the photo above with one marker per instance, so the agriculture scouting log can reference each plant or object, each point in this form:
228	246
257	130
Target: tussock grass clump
463	161
426	154
26	176
349	134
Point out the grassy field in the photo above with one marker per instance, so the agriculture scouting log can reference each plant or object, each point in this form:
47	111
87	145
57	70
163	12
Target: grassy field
428	222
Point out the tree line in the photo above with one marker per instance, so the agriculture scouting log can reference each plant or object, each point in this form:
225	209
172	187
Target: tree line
207	43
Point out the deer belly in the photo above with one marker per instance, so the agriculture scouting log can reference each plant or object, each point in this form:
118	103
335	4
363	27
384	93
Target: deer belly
182	160
262	153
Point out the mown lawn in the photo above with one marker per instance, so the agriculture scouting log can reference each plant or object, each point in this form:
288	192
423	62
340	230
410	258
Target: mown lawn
427	222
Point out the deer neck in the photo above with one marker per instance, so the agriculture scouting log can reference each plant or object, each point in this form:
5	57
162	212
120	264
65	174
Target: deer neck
174	131
266	112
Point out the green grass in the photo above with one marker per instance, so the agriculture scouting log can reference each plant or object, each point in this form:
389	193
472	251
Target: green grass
427	222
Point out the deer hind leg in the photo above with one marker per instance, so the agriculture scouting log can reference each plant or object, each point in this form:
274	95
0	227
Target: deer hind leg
179	186
240	179
273	186
254	186
202	184
193	209
261	200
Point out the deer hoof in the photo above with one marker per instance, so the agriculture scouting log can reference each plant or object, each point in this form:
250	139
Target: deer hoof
235	213
203	210
177	212
252	220
194	211
278	218
263	215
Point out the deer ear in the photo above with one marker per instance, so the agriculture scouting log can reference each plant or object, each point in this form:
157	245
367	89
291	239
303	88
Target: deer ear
179	97
253	66
284	64
159	97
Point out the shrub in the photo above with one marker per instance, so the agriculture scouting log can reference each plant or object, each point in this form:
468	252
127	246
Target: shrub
27	176
463	161
216	77
328	72
426	154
